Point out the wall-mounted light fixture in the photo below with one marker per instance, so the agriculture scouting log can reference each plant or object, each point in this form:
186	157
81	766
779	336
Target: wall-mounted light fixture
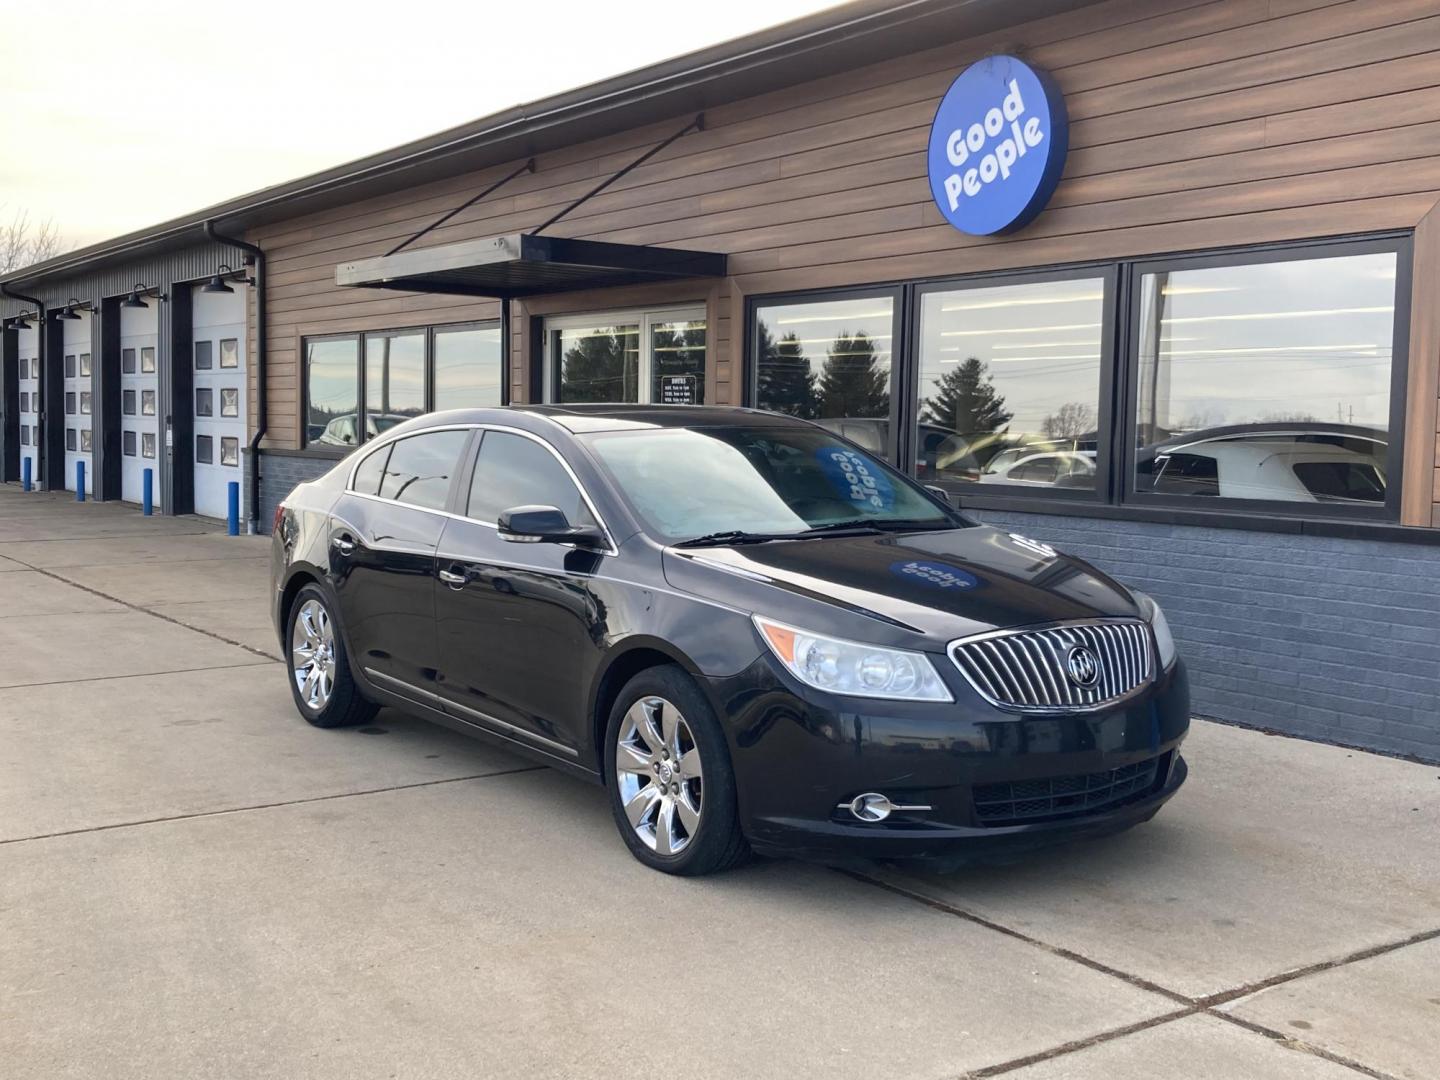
217	282
141	290
68	312
24	321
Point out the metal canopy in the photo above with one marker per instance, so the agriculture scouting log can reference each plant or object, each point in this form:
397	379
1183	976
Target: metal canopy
523	264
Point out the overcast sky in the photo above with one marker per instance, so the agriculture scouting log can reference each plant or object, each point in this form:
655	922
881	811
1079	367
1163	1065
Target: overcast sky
120	115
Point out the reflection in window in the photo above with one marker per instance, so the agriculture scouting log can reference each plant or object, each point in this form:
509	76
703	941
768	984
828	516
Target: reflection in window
419	468
87	440
677	369
332	392
127	362
468	368
147	402
1267	381
229	450
229	352
147	360
828	361
204	450
394	379
204	402
515	471
204	355
147	444
1010	384
128	442
598	363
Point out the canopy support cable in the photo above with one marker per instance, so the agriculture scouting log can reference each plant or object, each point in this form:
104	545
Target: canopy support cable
529	166
698	124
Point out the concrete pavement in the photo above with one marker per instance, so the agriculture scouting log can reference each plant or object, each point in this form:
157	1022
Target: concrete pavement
195	883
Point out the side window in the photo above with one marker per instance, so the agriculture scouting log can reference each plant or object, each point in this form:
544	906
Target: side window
419	469
515	471
367	476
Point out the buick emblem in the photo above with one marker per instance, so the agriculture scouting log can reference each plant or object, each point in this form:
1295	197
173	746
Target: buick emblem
1082	666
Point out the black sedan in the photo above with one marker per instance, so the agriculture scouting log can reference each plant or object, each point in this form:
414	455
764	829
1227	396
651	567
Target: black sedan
756	635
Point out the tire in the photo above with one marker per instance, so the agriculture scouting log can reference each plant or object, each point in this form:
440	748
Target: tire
689	823
312	627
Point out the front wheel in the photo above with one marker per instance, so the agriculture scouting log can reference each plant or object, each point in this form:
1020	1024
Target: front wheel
320	681
672	788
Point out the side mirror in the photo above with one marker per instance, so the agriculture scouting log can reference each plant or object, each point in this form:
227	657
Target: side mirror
940	493
545	525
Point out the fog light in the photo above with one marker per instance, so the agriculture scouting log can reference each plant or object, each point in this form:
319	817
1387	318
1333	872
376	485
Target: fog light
872	807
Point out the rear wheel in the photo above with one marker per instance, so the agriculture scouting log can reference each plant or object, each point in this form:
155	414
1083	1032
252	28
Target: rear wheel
324	690
672	788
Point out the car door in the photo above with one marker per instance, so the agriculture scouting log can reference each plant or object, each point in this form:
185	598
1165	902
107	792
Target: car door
519	626
383	535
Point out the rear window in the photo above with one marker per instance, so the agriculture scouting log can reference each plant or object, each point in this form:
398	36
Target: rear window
1341	481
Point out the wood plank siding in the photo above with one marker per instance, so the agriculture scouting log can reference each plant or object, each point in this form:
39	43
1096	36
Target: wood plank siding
1194	125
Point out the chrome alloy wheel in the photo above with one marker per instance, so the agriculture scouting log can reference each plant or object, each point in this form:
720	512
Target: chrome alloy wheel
312	652
658	773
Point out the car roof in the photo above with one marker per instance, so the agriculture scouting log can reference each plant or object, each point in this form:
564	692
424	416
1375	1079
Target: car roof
609	416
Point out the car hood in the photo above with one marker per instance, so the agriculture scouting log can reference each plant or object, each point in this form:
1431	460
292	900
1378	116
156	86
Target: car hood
942	584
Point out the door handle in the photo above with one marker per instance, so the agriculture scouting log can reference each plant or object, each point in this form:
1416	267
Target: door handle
454	580
343	545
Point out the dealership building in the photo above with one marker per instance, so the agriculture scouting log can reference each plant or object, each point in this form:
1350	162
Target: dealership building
1149	280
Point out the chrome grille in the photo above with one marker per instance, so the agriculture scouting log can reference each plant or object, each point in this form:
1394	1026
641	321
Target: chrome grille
1030	669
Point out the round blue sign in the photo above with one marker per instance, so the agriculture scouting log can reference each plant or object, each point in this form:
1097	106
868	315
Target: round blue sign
997	146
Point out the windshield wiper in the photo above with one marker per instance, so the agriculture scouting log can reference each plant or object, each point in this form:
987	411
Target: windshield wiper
731	536
739	536
884	525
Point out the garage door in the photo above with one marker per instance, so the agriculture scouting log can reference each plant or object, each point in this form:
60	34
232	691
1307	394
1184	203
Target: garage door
139	402
29	402
79	401
219	335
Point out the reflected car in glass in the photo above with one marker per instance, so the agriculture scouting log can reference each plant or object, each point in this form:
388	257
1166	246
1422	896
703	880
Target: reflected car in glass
756	635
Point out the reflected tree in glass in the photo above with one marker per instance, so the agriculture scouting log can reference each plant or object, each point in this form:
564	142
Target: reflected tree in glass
856	378
600	366
785	381
966	401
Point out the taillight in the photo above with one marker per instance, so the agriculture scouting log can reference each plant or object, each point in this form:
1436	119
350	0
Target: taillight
279	517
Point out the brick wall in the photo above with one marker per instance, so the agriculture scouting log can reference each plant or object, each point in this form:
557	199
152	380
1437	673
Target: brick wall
279	473
1326	638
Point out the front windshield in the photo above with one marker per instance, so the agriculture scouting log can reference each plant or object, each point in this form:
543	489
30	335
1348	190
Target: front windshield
690	482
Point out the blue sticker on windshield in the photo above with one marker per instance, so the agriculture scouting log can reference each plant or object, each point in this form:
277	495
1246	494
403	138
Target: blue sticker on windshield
856	479
936	575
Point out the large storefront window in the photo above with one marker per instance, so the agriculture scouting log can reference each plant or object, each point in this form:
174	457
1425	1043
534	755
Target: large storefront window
332	391
469	370
394	379
1009	384
1266	380
636	357
829	361
405	373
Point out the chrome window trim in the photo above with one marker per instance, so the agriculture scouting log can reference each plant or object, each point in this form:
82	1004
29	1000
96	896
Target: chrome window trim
1154	672
378	444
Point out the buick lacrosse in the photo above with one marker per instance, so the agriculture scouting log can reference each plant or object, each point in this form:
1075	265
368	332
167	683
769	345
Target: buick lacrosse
756	635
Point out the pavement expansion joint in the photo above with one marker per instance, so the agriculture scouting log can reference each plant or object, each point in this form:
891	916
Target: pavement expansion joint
1207	1005
154	614
271	805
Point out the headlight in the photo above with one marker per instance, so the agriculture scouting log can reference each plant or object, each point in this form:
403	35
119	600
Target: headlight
849	667
1164	641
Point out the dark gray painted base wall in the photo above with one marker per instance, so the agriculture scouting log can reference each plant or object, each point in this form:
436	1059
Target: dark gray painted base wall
1320	637
1315	636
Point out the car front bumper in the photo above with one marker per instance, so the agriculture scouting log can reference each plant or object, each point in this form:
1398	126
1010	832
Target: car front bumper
992	784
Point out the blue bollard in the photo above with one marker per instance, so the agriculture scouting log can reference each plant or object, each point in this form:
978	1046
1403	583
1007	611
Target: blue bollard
232	514
147	499
25	474
79	481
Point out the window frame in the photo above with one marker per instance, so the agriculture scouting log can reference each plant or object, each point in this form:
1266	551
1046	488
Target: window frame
361	338
1114	494
643	317
1123	435
901	360
1109	273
